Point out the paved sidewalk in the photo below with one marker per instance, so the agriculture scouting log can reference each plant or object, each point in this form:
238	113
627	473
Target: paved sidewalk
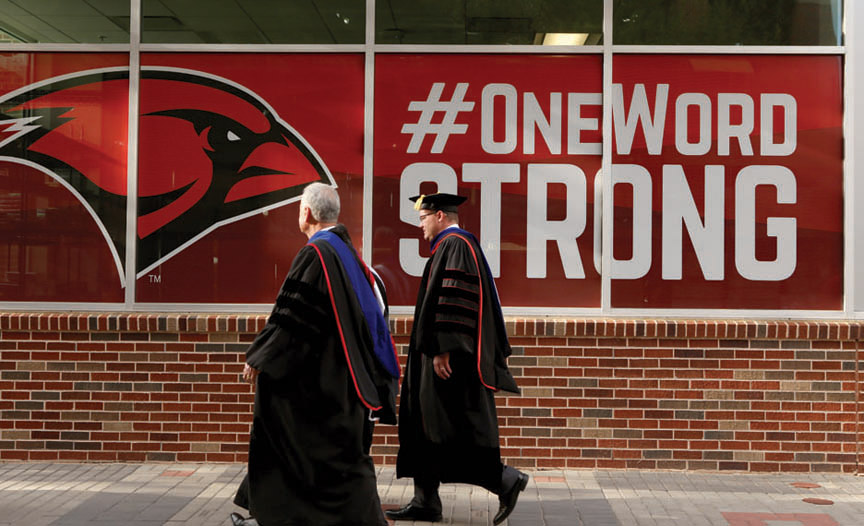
200	494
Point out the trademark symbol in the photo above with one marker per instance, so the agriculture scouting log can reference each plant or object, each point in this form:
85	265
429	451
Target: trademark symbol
155	278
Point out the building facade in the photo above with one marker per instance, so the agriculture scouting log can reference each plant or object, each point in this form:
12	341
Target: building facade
665	191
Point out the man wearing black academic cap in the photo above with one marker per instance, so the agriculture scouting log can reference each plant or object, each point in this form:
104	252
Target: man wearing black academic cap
448	426
325	366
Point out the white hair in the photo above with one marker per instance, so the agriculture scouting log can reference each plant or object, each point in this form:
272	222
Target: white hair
323	201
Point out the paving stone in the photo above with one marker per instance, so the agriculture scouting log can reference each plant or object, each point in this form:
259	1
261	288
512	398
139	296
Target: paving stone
44	494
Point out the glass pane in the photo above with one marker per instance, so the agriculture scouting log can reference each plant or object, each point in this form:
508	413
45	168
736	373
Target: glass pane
63	176
253	21
227	142
53	21
729	22
728	182
524	149
524	22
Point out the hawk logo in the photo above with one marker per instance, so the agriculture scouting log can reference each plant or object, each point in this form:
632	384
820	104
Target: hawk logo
211	152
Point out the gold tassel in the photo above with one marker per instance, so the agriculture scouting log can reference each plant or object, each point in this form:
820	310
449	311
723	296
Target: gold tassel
419	202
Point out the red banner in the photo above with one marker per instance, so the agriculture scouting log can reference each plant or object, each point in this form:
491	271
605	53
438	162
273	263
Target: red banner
227	143
730	168
520	137
726	174
63	135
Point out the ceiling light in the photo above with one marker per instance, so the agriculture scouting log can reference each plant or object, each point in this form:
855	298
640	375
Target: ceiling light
565	39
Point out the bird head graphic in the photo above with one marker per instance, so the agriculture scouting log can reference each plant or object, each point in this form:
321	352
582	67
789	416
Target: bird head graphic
211	152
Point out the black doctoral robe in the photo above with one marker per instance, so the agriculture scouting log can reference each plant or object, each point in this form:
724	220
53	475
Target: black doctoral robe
318	381
448	429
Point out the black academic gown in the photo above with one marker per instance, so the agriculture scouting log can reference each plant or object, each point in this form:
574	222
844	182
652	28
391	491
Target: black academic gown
309	460
448	429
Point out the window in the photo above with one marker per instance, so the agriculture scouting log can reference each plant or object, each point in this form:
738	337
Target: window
253	22
728	22
44	21
514	22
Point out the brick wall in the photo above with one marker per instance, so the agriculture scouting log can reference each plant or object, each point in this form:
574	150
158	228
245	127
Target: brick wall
650	394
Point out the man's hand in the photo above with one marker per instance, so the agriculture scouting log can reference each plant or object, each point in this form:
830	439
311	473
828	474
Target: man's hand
441	363
250	374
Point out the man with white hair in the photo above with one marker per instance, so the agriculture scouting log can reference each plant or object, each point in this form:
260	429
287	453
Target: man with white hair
325	367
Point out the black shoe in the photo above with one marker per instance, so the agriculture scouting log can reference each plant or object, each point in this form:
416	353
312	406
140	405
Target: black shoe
413	513
238	520
508	500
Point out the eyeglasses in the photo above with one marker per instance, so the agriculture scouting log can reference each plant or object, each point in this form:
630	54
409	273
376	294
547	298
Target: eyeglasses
424	216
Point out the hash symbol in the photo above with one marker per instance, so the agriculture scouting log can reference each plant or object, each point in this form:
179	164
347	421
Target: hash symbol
427	110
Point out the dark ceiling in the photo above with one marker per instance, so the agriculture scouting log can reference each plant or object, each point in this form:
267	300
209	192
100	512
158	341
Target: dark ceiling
299	21
506	22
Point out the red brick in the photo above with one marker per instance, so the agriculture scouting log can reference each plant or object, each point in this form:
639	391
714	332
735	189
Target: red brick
631	377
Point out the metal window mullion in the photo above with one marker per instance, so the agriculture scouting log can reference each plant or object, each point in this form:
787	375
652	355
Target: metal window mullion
253	48
606	165
368	123
728	50
454	49
65	47
852	115
132	152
